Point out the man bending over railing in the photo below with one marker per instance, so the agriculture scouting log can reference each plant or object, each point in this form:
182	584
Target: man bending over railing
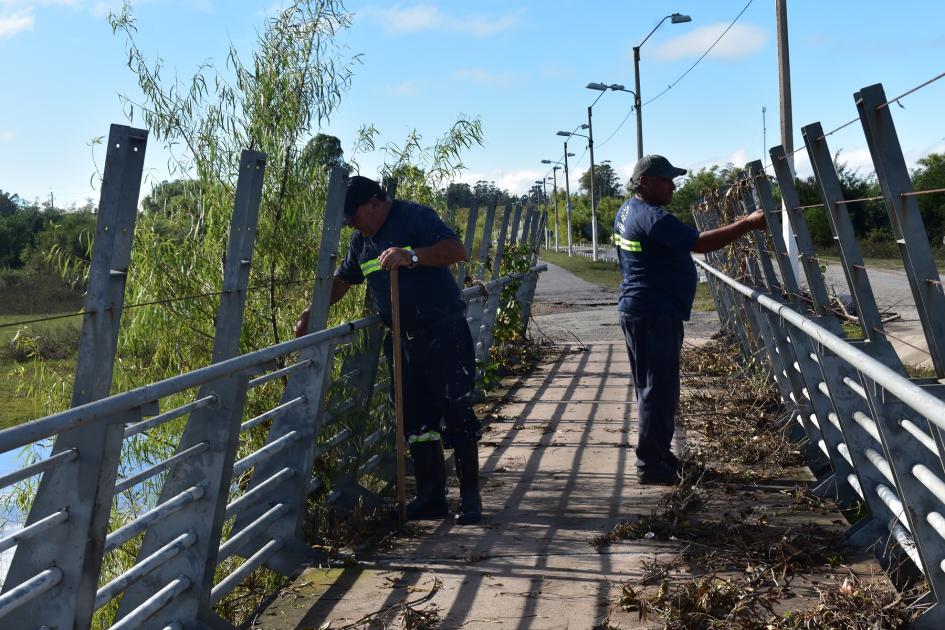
438	355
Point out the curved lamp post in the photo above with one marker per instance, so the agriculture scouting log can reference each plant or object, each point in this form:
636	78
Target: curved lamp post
590	145
675	18
567	180
568	134
554	193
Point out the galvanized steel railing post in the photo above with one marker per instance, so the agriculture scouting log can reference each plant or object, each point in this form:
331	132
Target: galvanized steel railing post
526	292
516	218
905	218
791	201
305	420
217	426
84	487
850	257
470	236
486	338
804	350
486	239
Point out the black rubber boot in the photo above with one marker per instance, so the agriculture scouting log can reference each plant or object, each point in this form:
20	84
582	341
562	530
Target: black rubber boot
467	469
430	473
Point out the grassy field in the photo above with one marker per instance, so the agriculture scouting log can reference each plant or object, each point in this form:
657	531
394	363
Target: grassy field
15	407
607	274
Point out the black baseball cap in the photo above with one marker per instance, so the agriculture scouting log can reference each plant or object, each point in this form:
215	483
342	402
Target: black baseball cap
360	191
655	165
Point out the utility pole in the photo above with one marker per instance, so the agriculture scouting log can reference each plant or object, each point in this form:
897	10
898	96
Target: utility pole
590	146
764	132
636	98
567	191
787	135
554	192
52	201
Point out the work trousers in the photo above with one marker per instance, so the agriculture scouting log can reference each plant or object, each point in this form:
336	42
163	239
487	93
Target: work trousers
654	343
439	372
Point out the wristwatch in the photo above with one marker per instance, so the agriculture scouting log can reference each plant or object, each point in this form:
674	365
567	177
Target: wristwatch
414	259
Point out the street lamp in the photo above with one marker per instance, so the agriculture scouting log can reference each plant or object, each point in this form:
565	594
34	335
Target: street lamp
554	193
567	182
590	144
675	18
567	192
544	201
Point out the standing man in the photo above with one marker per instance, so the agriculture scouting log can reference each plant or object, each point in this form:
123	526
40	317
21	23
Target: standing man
439	364
656	295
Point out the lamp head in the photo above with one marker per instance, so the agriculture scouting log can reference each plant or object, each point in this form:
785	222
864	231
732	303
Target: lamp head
584	126
596	86
616	87
546	161
679	18
566	134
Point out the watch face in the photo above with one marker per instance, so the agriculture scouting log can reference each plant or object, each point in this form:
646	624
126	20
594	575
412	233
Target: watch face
414	258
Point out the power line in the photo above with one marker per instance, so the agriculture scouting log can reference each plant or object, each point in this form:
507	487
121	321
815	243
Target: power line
708	50
170	300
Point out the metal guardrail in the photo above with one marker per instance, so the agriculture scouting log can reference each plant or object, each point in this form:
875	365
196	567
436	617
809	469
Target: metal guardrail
873	434
212	503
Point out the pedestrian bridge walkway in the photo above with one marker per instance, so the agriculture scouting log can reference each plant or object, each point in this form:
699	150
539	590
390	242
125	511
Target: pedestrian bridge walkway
557	471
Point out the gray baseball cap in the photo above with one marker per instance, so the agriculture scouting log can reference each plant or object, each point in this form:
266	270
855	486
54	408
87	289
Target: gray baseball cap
654	165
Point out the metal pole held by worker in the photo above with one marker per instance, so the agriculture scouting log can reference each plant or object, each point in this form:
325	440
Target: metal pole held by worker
398	397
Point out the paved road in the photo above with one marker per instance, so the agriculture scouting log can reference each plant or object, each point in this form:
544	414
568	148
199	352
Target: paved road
568	309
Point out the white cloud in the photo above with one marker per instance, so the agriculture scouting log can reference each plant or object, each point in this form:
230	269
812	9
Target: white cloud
404	88
16	22
478	75
428	17
742	40
517	182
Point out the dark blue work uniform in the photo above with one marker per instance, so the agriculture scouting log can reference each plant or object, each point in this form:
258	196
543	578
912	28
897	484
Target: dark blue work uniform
439	364
656	294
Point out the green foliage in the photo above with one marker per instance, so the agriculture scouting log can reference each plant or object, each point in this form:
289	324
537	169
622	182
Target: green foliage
930	175
606	181
869	218
9	203
323	152
42	341
695	186
173	198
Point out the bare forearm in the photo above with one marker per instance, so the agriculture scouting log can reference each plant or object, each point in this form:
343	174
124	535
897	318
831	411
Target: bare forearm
711	240
338	289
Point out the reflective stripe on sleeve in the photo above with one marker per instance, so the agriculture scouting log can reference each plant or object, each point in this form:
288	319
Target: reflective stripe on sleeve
429	436
370	266
628	245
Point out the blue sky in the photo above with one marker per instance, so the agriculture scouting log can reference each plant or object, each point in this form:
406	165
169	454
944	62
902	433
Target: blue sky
521	66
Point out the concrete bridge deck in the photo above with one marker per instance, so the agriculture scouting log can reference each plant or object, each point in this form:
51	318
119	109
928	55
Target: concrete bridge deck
557	470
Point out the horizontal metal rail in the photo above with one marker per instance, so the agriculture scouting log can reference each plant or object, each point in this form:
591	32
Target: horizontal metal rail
272	413
169	415
82	415
155	515
39	467
28	590
31	531
905	391
160	467
114	588
152	605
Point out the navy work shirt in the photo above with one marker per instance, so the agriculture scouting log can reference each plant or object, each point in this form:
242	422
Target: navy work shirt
427	294
654	247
